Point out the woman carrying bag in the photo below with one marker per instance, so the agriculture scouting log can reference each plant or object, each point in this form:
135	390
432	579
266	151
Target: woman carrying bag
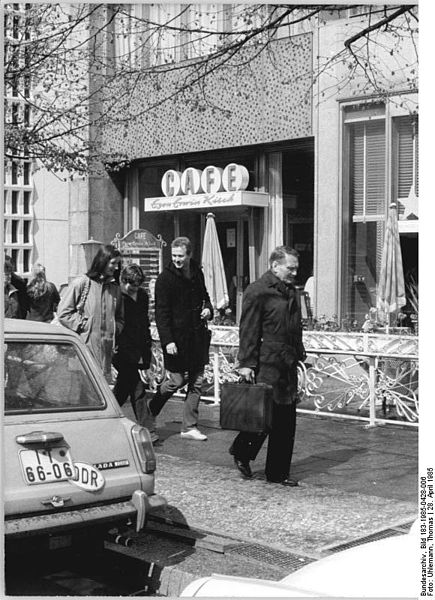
92	307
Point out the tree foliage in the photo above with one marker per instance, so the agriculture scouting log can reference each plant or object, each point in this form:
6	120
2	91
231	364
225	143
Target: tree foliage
62	62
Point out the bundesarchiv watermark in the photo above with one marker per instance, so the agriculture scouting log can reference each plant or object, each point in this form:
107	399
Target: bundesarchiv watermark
426	533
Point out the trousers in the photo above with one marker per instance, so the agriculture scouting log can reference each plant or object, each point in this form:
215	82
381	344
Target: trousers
246	446
170	385
126	383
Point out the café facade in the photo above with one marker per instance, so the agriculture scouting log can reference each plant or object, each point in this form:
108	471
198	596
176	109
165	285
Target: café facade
277	160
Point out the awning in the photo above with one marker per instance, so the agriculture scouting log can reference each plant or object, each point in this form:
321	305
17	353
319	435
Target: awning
206	201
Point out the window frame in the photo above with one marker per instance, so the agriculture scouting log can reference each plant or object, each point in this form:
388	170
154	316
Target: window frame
402	105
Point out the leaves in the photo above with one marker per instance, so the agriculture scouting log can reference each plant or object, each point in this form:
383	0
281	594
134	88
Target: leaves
76	55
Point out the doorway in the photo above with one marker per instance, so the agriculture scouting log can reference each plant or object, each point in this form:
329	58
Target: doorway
233	240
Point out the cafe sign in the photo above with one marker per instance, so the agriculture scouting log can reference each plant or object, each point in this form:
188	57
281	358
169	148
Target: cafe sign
210	188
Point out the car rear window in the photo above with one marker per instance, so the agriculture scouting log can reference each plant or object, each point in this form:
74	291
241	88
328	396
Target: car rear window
47	377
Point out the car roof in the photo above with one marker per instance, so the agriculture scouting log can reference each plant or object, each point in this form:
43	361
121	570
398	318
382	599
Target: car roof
25	326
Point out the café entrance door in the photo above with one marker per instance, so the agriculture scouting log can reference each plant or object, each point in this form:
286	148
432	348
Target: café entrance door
233	239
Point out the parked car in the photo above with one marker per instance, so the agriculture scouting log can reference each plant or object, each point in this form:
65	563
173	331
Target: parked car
74	464
387	568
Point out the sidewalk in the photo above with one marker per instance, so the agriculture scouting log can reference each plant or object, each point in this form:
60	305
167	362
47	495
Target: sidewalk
354	482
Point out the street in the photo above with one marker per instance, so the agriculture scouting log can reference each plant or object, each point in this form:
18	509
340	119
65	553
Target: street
356	484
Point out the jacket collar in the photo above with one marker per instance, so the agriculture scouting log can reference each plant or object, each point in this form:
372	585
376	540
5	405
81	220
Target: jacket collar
272	280
194	269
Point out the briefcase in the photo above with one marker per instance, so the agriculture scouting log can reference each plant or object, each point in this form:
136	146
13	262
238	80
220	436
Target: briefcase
246	407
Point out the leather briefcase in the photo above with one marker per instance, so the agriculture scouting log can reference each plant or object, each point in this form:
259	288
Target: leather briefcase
246	407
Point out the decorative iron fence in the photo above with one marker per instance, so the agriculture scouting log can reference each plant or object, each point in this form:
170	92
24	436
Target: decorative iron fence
372	377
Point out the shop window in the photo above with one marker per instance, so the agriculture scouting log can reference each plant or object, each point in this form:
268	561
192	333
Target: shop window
367	178
367	170
405	164
364	210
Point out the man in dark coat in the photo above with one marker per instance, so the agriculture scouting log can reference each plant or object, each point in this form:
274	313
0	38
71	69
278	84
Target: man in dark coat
270	347
182	307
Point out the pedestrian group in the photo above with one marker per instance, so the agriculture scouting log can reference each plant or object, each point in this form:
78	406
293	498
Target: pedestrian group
108	308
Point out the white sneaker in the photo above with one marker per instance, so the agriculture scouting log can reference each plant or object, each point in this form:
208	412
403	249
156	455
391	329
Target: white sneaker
193	434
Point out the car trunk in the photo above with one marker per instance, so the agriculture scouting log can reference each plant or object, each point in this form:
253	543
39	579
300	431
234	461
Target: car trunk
31	461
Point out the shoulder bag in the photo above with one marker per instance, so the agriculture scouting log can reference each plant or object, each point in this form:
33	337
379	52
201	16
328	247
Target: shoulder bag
80	308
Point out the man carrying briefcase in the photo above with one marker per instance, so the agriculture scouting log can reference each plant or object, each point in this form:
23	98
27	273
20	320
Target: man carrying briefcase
270	346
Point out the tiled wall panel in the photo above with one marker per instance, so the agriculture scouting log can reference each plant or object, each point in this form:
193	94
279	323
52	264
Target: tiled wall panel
268	100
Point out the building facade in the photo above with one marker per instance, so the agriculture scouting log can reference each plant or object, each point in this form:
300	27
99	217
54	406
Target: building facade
325	153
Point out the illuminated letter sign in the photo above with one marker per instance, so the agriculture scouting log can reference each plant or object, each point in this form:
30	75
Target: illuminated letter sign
191	181
211	180
171	183
235	177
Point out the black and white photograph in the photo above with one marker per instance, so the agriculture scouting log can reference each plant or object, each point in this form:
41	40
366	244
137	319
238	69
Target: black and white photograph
211	343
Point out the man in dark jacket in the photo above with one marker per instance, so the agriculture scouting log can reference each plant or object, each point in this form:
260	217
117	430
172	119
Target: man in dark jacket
270	347
182	307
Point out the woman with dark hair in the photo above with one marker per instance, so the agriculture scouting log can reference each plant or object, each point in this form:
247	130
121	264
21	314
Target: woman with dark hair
43	296
133	350
92	306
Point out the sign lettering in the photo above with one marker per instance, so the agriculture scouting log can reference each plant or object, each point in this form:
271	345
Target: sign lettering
233	178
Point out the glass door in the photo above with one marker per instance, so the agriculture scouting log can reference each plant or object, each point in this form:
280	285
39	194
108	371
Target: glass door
233	240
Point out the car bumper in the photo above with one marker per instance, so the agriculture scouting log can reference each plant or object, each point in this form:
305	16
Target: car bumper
137	508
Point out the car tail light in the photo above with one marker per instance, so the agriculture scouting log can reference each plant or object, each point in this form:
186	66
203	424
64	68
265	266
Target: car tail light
144	448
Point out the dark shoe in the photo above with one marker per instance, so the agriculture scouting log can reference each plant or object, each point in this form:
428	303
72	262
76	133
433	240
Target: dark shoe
287	482
243	467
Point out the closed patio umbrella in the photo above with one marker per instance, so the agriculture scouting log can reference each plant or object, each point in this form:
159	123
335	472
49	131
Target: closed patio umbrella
213	266
391	286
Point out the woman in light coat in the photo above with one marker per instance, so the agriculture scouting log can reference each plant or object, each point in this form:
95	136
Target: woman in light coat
102	314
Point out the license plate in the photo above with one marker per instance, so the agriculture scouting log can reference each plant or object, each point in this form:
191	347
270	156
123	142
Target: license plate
46	465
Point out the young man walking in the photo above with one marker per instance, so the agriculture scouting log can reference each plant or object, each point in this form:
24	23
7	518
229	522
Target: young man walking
182	307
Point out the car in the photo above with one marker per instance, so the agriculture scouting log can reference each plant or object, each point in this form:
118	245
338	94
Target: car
75	465
383	568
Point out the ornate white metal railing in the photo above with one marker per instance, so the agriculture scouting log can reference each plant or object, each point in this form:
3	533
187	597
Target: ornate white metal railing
372	377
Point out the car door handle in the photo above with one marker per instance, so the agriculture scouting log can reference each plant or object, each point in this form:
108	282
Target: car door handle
39	437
